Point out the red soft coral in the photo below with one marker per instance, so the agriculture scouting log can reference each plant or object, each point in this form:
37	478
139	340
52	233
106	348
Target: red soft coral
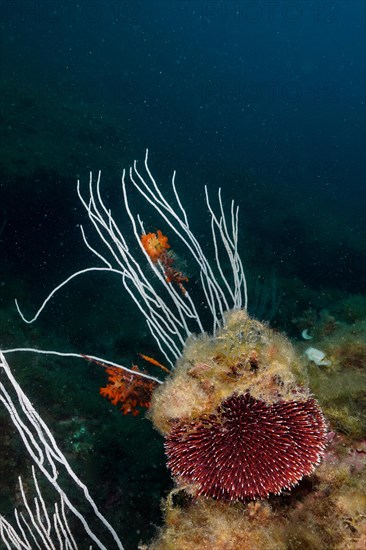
127	390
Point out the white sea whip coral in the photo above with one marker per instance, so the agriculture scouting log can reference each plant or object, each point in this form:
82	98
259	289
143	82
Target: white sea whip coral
170	315
170	320
36	527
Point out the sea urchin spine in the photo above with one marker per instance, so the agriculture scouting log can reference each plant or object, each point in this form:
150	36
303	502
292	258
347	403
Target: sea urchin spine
248	448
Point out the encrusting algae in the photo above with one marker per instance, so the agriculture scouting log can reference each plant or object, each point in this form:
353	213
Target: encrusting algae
340	386
327	513
245	356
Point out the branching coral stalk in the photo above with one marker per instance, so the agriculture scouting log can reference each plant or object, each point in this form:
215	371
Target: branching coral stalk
81	356
50	461
36	528
170	315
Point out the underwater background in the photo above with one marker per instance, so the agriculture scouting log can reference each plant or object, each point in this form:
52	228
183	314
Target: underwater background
263	99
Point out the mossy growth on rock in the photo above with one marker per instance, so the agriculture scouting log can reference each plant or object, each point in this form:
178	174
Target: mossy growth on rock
245	356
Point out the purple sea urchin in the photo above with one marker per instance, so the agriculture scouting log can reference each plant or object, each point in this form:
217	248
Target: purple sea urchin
248	448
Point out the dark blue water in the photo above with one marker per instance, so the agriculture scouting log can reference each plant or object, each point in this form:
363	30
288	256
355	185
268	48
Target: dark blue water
263	99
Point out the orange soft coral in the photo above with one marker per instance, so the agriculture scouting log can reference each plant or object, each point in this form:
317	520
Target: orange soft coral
155	244
127	390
